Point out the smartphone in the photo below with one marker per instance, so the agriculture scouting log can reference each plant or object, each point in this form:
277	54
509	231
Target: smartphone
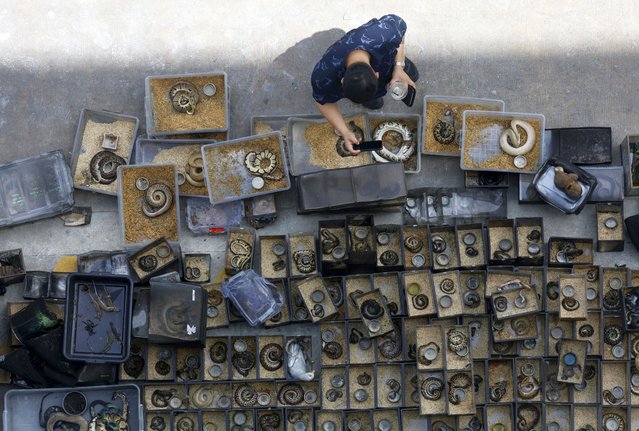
409	99
368	146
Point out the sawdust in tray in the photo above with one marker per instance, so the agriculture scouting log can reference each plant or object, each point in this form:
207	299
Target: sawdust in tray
138	227
393	140
180	156
210	112
321	139
92	144
605	233
475	135
434	111
229	177
261	127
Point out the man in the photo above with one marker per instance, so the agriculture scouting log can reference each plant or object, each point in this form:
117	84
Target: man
360	66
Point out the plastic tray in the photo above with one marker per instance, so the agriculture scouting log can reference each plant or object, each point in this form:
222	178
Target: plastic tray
490	144
21	406
148	105
298	148
124	149
234	168
372	185
203	218
544	183
79	345
419	138
35	188
610	185
278	122
175	207
147	149
496	105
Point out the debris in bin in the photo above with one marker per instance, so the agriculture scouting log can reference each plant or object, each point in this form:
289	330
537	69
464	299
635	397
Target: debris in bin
79	216
298	365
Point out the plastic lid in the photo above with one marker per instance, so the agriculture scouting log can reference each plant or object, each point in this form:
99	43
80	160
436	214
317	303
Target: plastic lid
253	296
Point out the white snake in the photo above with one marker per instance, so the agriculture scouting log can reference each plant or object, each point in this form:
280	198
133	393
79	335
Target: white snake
516	149
406	150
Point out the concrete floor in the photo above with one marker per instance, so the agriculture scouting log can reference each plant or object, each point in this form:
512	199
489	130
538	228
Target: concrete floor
573	61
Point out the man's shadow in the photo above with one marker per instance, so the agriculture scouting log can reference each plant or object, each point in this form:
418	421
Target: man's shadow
284	87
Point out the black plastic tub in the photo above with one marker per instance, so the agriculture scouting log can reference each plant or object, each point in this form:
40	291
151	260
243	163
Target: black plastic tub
97	325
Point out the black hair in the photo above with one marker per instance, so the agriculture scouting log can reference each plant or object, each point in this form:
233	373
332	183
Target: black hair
360	83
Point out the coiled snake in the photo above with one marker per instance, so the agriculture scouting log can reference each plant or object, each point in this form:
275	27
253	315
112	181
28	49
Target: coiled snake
158	199
103	166
184	97
406	149
510	139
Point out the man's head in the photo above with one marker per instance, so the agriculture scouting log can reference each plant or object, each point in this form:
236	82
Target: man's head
360	82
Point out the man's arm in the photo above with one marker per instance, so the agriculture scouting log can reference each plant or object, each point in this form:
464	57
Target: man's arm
398	71
331	112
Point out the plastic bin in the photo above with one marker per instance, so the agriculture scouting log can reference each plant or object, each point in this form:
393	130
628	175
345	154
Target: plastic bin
429	144
178	151
414	163
227	177
204	218
261	123
544	183
35	188
299	150
377	185
93	333
151	104
108	127
139	225
23	407
629	158
474	155
182	301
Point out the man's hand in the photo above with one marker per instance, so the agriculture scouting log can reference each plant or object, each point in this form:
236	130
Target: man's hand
400	75
349	140
331	112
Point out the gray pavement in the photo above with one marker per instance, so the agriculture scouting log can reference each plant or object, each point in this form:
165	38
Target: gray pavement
575	62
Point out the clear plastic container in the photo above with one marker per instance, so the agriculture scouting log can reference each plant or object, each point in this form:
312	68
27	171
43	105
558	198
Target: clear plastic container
488	146
544	183
419	142
123	148
149	103
256	298
21	405
610	185
298	148
428	124
147	150
203	218
35	188
230	166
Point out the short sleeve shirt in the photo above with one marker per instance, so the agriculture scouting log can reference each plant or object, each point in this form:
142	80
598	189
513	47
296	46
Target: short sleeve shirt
379	37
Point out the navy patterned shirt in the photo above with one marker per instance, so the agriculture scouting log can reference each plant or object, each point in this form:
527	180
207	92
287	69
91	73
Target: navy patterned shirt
379	37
